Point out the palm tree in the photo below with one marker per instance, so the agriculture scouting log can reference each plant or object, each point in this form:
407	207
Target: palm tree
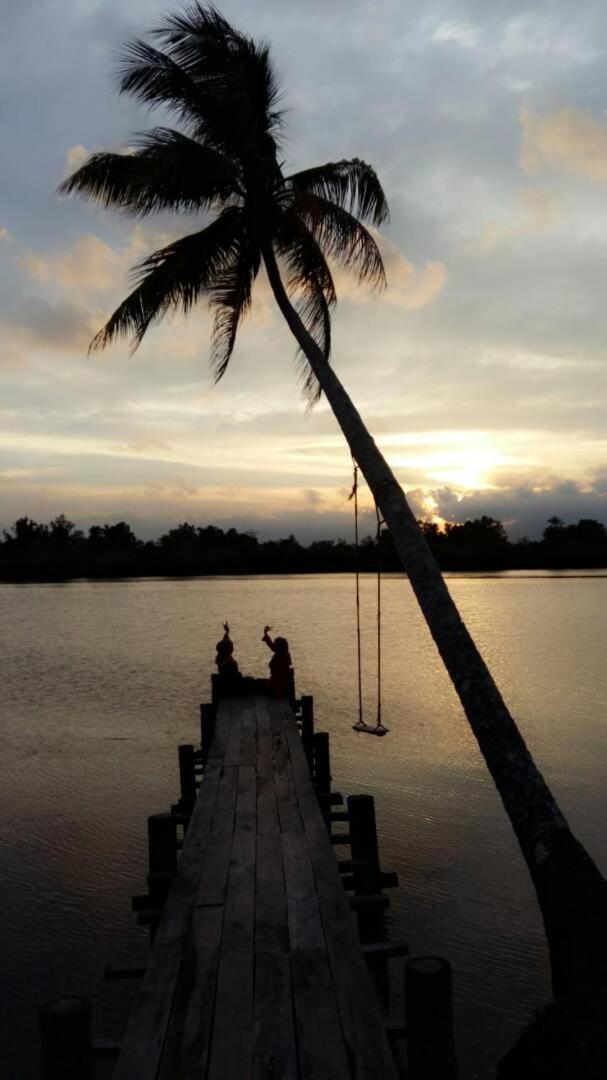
225	160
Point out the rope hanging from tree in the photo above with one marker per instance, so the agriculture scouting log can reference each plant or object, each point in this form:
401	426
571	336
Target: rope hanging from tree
378	728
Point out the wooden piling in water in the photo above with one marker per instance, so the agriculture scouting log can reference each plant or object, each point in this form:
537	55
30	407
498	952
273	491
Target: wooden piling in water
429	1019
207	728
67	1045
307	727
365	851
322	762
162	843
187	775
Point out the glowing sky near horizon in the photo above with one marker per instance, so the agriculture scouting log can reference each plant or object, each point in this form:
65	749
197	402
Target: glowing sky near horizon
481	370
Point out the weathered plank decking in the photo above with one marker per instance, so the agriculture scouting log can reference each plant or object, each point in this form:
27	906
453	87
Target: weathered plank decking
256	969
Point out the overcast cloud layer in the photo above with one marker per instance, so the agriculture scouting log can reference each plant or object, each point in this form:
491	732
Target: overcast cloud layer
481	370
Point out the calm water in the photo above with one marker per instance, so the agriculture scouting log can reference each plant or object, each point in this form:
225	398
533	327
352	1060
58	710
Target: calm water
99	682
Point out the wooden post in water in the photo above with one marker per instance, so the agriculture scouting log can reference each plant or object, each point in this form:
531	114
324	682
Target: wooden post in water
67	1045
207	729
322	762
162	843
187	776
429	1019
307	728
363	833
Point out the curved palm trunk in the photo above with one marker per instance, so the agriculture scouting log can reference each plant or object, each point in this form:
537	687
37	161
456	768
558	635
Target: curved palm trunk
570	889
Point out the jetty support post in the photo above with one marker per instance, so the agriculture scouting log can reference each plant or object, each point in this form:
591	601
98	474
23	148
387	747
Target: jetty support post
67	1044
187	777
207	729
429	1019
307	728
364	846
162	846
322	763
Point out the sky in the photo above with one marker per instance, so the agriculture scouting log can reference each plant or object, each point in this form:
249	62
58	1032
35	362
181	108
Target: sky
481	370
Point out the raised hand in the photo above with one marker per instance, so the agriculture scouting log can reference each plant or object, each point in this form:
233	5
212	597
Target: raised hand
226	627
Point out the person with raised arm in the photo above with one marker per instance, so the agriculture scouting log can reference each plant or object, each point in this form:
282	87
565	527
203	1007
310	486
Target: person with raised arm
280	664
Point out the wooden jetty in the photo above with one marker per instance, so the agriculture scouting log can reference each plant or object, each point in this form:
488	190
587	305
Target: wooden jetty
256	969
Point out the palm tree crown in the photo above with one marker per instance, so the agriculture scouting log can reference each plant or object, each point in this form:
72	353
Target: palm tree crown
222	87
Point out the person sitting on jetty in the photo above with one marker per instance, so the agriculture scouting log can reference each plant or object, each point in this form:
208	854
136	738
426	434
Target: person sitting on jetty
227	667
280	665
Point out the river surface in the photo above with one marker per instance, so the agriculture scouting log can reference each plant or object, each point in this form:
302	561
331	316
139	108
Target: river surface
99	682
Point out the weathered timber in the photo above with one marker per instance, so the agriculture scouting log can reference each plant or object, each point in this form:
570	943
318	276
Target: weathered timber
430	1047
67	1045
307	728
187	774
322	764
148	1026
123	971
260	973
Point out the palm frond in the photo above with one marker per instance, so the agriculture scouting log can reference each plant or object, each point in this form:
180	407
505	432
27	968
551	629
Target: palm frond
311	289
174	278
352	185
153	78
231	298
342	238
167	171
233	74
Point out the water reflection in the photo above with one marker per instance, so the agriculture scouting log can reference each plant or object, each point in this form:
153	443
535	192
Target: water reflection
101	681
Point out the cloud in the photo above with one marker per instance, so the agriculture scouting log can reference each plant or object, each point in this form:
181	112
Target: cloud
10	360
409	286
75	157
535	212
59	325
567	140
91	266
525	506
465	34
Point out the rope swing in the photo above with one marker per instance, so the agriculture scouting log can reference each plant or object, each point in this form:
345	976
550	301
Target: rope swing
378	728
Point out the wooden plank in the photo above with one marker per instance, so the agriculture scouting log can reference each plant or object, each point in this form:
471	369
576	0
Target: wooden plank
303	912
271	932
359	1011
213	882
225	804
148	1025
274	1053
230	721
264	763
222	726
280	745
321	1050
248	746
187	1047
286	796
246	801
286	800
267	810
232	1039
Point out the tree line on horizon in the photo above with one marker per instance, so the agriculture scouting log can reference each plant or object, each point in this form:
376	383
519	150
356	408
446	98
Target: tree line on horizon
59	551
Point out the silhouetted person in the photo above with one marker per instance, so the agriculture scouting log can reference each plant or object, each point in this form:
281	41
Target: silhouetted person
230	679
280	665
